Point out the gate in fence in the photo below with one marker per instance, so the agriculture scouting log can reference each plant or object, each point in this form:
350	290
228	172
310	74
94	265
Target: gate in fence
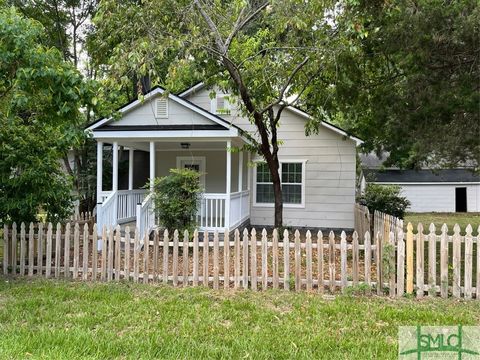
425	264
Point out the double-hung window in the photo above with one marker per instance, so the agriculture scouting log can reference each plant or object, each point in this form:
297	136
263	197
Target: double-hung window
292	177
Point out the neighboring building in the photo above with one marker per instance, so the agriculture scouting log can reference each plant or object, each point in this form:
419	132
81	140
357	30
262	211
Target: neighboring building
445	190
191	130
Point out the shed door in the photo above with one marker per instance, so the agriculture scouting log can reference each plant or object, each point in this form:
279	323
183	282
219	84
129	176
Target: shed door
461	199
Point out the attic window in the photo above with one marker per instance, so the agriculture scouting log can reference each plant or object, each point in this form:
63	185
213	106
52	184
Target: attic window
221	105
161	108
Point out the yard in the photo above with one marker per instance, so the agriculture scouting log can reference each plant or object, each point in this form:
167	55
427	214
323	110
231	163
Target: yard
73	320
462	219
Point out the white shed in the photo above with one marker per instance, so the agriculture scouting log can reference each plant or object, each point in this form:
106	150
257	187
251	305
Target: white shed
445	190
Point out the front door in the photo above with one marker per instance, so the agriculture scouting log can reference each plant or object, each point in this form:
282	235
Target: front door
196	163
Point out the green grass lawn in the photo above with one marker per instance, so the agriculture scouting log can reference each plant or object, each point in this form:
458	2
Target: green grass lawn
462	219
42	319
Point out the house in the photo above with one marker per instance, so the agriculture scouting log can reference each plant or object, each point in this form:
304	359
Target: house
191	130
439	190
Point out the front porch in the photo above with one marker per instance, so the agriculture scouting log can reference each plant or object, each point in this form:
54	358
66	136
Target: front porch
225	203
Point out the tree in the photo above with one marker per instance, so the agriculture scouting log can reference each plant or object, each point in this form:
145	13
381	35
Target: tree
264	53
410	84
40	100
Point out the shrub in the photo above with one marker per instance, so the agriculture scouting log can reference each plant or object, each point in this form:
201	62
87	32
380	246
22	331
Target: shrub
176	198
385	198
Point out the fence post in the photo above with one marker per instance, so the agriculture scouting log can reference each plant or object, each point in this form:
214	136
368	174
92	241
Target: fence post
343	260
432	261
419	255
409	258
253	260
175	258
146	256
355	259
286	260
103	275
195	257
245	259
298	264
206	249
136	249
22	249
156	248
216	268
457	248
85	252
186	239
264	260
444	261
320	262
331	260
400	264
368	261
95	252
308	251
468	262
165	255
236	260
58	246
31	249
379	260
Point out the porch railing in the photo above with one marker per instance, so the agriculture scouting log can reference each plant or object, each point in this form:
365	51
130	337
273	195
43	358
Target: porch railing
127	204
239	208
212	212
145	215
107	212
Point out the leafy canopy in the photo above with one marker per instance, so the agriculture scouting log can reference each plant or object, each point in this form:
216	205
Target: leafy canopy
40	101
385	198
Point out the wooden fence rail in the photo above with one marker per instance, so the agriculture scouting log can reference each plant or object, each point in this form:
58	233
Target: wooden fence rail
431	264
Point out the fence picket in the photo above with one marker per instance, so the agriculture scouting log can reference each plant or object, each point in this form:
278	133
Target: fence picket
331	260
156	247
343	260
195	257
368	261
355	259
206	254
432	260
275	259
31	249
478	263
444	262
146	256
264	260
468	262
85	252
126	269
226	259
409	258
6	248
58	246
298	262
456	261
320	262
48	264
22	249
236	270
76	249
136	250
110	254
216	268
186	238
14	249
95	252
400	264
175	258
165	256
391	264
420	256
308	254
103	274
40	249
245	259
379	262
253	260
286	260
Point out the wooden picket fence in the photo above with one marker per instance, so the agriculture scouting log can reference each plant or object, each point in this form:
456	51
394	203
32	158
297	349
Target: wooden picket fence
253	260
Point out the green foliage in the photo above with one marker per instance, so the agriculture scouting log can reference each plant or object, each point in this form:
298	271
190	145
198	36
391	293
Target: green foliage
40	101
385	198
176	199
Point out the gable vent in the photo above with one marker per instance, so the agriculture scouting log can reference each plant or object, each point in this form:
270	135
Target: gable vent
161	108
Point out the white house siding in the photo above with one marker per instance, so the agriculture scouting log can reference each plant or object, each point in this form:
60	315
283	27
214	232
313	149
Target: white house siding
177	115
330	171
439	198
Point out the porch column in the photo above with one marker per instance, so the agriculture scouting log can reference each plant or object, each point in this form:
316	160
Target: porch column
115	166
130	169
248	170
152	163
99	171
228	184
240	171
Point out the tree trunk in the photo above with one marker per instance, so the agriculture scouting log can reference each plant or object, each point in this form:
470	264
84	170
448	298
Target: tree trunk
274	166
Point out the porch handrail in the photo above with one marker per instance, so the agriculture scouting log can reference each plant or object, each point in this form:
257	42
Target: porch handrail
107	212
145	215
127	204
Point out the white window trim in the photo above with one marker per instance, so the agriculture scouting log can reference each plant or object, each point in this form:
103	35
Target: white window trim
156	108
213	104
290	206
203	165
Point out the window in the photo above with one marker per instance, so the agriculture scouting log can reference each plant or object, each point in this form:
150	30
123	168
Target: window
220	104
292	177
161	108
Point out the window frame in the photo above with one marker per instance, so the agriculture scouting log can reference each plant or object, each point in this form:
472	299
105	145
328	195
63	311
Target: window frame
213	104
285	205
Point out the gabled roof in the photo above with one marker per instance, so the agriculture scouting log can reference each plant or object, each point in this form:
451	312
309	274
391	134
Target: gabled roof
184	102
334	128
394	176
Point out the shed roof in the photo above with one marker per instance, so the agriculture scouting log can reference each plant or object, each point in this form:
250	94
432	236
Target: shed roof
421	176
